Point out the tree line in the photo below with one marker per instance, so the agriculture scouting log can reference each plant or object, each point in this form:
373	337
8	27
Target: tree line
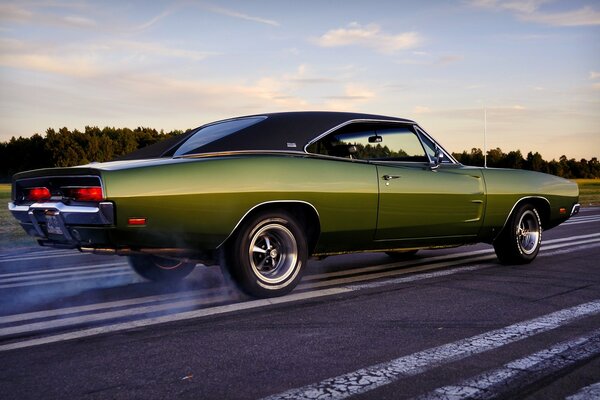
65	148
569	168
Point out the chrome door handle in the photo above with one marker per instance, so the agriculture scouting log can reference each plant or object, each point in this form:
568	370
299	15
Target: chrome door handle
390	177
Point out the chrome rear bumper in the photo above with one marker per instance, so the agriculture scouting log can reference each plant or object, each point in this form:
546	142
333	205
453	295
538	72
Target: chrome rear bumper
69	218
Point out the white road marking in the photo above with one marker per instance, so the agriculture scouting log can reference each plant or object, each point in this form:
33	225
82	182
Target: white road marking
98	306
43	271
520	373
140	311
41	257
587	393
175	317
80	272
73	278
207	298
373	377
582	221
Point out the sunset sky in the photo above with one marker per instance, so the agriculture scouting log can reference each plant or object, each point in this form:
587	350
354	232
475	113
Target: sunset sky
533	64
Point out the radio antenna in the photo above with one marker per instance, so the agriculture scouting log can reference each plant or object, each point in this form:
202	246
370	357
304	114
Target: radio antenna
484	137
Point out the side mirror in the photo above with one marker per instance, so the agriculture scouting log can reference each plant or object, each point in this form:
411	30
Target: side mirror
439	156
437	160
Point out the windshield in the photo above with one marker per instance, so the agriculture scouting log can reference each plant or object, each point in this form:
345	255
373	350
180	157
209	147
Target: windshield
213	132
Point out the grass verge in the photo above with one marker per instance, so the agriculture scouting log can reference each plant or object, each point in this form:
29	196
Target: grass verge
589	192
11	233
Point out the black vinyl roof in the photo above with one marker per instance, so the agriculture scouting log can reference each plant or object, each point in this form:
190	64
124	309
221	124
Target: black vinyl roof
285	131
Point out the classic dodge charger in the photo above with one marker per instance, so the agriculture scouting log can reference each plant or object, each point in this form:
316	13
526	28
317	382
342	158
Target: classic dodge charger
260	194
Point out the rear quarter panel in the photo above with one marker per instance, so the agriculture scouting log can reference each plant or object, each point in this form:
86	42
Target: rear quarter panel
198	202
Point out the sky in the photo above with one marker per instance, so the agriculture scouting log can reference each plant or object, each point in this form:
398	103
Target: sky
533	65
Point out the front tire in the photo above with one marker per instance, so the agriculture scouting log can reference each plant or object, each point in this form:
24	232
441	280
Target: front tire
520	241
267	255
159	269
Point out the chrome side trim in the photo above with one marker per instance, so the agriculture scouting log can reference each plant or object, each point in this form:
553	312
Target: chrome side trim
262	204
515	205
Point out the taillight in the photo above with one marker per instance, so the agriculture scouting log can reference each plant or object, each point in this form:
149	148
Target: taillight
38	194
92	193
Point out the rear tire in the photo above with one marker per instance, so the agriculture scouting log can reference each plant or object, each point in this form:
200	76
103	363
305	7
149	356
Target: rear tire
520	241
267	255
159	269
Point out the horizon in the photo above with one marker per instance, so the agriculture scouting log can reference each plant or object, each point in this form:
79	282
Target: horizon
534	65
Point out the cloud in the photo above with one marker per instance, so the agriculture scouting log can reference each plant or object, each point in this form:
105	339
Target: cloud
14	13
89	59
594	75
421	110
449	59
529	10
236	14
369	36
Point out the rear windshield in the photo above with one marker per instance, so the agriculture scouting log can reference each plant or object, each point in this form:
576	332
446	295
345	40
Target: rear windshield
213	132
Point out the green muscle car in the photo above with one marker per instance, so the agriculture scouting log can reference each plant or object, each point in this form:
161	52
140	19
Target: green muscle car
260	194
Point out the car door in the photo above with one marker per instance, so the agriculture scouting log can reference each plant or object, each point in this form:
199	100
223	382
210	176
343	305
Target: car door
421	200
416	202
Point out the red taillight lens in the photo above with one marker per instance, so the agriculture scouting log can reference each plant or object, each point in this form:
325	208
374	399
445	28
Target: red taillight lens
93	193
38	194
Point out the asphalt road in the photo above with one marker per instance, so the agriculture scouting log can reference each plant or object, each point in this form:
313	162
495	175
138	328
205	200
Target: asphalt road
450	323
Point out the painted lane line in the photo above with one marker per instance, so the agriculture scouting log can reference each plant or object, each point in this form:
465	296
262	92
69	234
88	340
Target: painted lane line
200	313
517	375
43	277
98	306
42	257
587	393
580	222
137	311
108	315
150	299
43	271
373	377
394	272
455	256
225	309
63	280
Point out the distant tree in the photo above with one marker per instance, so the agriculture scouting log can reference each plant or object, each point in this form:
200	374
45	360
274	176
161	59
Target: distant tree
65	148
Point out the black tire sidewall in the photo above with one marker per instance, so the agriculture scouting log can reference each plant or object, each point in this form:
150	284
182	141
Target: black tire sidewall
507	245
238	262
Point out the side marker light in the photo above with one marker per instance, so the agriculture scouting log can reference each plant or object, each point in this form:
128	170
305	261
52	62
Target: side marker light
136	221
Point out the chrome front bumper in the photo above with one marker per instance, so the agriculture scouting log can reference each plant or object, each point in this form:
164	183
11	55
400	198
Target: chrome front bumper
575	209
72	219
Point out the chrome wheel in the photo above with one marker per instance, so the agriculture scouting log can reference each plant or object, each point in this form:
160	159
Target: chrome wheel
528	232
267	255
273	253
520	240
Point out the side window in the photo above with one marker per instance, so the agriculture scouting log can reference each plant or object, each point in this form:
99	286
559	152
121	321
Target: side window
430	148
372	142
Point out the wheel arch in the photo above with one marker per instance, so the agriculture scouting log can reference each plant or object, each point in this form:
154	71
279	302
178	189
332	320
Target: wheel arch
541	204
304	212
